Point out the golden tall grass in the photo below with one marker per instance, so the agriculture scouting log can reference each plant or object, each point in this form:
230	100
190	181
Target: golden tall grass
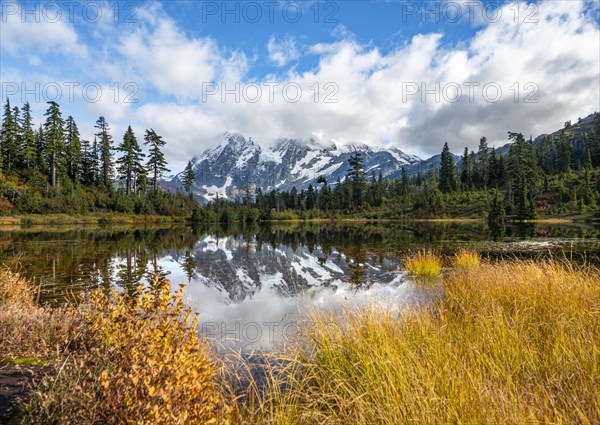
514	342
423	263
15	290
511	342
26	329
466	259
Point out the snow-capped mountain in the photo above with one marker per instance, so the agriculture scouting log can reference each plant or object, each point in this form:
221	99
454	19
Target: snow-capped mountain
238	163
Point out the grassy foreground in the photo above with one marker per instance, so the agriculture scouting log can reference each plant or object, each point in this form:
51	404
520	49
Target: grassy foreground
510	342
514	343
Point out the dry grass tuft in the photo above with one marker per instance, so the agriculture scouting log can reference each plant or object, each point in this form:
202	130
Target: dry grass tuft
465	259
423	263
28	330
15	290
514	342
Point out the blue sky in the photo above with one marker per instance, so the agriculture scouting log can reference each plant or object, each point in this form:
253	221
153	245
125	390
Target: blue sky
389	73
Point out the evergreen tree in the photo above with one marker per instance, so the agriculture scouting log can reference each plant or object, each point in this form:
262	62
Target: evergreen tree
493	179
404	183
311	198
17	153
157	165
8	139
523	173
325	198
142	181
483	162
73	150
40	143
447	182
29	147
375	191
54	135
497	213
543	154
105	154
87	163
188	177
565	152
129	164
95	161
466	171
356	175
294	202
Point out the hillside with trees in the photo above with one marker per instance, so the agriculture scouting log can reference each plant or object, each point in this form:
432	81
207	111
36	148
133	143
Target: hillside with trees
51	169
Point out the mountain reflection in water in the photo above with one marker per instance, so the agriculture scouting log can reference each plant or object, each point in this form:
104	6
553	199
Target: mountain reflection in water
252	275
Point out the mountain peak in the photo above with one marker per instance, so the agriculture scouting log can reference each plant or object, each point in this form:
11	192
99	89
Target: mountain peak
239	162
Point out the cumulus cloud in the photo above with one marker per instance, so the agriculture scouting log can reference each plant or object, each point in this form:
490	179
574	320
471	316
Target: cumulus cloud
283	51
171	61
406	97
30	33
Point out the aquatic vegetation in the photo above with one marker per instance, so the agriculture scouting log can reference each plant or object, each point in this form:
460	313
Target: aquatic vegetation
514	342
466	259
423	263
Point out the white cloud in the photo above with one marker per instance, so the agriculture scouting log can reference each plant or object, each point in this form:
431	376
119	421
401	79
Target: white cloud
158	52
559	54
371	108
283	51
172	62
19	34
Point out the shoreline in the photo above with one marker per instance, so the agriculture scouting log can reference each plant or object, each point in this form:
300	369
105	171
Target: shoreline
94	219
110	218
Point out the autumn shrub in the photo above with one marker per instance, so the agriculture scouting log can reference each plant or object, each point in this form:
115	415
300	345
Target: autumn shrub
141	361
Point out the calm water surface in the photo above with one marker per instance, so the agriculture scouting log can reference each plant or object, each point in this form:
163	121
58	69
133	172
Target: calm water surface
249	283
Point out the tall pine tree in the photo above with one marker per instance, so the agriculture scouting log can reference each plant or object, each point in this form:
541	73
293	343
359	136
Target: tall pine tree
188	177
157	165
356	174
129	165
483	164
523	174
8	139
54	137
29	148
105	153
447	182
73	150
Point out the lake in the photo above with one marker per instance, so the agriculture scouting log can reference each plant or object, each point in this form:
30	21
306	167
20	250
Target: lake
252	283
